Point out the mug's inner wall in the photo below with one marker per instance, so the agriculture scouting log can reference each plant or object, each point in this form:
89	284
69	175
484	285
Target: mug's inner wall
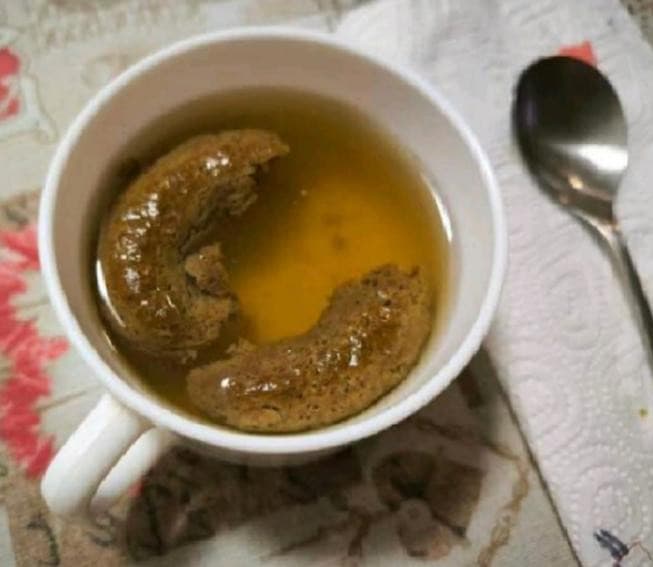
397	106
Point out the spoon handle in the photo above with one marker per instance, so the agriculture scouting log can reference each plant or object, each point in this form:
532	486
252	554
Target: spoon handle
636	295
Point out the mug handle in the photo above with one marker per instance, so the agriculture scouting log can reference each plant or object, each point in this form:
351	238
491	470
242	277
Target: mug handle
109	452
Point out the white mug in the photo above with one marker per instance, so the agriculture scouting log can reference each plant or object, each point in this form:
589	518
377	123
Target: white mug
129	428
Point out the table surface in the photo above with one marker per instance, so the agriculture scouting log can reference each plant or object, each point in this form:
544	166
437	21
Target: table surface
454	485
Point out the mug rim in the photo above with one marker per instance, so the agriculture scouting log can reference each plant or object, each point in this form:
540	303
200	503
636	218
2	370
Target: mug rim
295	443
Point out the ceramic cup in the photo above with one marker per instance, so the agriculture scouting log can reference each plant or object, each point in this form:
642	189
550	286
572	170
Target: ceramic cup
128	430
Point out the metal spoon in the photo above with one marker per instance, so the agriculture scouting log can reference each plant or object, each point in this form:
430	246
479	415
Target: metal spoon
572	133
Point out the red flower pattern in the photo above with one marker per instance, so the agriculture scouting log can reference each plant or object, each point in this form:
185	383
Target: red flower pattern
27	354
583	51
9	72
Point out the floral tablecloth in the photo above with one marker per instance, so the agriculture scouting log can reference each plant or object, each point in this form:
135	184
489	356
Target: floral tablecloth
454	485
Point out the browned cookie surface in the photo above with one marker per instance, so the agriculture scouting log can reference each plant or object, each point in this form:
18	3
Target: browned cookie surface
365	342
161	296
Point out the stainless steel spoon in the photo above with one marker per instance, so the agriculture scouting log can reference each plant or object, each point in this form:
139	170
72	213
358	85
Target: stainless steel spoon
572	133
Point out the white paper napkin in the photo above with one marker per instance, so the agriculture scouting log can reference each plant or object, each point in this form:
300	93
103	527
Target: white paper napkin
565	346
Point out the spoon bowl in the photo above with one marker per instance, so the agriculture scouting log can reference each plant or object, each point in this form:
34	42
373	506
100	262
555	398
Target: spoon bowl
572	132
